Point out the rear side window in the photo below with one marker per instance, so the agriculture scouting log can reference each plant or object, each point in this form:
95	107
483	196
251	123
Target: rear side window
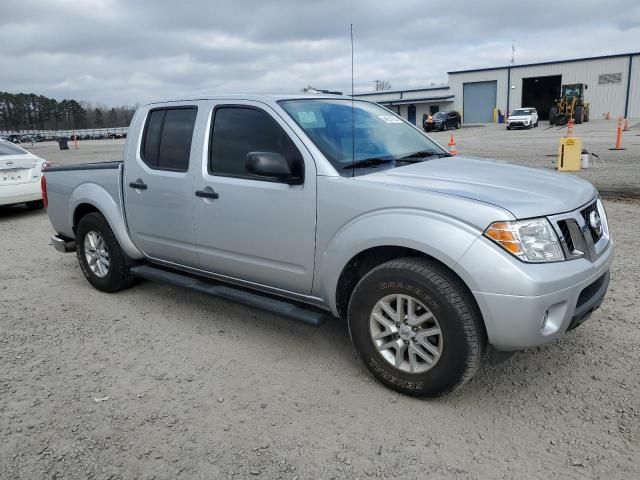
237	131
167	138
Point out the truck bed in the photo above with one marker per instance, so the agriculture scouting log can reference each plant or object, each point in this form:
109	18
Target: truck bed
70	185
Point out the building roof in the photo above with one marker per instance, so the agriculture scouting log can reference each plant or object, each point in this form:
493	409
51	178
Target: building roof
408	101
584	59
384	92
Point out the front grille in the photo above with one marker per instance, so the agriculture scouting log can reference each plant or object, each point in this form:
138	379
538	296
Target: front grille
577	237
564	228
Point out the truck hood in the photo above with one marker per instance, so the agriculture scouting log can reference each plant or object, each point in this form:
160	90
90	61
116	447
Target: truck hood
525	192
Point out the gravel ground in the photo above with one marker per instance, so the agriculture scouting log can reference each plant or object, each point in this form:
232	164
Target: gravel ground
160	382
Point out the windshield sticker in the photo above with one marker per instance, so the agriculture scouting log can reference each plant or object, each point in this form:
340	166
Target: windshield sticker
389	119
307	117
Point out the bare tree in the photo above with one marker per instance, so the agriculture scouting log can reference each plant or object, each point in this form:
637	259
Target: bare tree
382	85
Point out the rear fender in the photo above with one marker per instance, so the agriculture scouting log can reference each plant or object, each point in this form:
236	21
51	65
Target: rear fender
95	195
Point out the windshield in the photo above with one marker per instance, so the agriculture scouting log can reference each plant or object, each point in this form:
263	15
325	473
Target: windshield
522	111
378	133
7	148
440	115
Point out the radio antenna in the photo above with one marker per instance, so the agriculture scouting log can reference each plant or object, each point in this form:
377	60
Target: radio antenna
353	125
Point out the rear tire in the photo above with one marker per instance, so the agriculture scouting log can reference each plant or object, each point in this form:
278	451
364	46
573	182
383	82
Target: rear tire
553	111
99	254
446	345
579	115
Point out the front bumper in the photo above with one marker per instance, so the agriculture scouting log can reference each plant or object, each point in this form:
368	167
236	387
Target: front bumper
526	305
518	123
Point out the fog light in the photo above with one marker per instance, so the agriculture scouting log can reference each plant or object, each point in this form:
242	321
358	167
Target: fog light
544	320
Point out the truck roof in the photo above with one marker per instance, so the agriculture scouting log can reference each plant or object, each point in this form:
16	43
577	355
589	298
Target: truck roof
270	97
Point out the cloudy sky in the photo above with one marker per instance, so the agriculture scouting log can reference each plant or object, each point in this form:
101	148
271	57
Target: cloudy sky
127	51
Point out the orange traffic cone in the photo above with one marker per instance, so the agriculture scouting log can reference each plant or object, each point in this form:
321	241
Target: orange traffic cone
626	125
608	116
452	146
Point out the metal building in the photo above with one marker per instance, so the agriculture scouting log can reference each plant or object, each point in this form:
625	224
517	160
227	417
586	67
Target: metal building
612	86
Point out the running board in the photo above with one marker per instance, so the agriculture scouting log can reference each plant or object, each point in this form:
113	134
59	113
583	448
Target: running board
311	316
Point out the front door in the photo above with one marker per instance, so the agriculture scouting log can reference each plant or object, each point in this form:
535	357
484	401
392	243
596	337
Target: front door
158	185
256	229
411	115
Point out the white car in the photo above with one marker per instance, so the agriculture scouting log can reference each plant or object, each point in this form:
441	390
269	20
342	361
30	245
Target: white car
522	118
20	176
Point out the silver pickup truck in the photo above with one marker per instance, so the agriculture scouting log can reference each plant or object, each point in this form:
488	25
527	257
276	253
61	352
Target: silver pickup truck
316	206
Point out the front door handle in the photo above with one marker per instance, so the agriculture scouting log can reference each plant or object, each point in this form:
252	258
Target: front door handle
138	185
206	194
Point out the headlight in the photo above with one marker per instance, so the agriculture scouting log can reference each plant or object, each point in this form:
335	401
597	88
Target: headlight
530	240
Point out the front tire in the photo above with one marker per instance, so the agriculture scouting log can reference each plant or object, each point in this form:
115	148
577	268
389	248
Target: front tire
99	254
416	327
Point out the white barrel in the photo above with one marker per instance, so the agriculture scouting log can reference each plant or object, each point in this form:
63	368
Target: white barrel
584	160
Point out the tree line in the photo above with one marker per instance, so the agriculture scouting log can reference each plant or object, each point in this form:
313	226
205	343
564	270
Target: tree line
28	111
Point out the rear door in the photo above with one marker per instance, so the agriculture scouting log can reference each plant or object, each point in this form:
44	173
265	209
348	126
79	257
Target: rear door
256	229
158	184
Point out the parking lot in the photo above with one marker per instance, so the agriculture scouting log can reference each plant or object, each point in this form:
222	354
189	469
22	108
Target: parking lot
160	382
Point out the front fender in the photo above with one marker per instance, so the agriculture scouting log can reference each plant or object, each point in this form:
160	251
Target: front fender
97	196
444	238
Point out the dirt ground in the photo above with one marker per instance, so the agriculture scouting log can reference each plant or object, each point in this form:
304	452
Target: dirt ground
160	382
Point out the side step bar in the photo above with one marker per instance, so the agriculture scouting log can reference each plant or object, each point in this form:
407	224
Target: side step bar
311	316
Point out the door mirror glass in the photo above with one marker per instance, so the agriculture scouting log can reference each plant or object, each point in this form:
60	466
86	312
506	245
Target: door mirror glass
271	164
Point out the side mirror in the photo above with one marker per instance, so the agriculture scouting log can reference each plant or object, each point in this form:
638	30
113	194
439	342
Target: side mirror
272	165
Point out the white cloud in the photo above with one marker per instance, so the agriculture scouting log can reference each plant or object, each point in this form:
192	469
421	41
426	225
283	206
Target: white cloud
117	51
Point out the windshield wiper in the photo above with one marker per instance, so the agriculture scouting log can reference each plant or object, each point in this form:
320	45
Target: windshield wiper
367	162
421	155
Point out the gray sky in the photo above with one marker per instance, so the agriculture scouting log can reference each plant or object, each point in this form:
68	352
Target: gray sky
122	52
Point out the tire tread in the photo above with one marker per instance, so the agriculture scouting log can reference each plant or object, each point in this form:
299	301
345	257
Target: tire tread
455	292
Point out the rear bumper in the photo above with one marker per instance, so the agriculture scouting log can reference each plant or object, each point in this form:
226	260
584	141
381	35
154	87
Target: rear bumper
62	244
24	192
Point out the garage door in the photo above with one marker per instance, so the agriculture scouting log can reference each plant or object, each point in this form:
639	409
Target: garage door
479	100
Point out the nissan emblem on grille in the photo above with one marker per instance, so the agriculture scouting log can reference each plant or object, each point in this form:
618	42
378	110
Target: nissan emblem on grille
595	222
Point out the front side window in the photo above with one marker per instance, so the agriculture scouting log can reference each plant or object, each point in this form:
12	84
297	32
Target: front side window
238	130
364	133
167	138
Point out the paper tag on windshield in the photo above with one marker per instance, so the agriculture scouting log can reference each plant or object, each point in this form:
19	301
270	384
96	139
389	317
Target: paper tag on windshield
307	117
389	119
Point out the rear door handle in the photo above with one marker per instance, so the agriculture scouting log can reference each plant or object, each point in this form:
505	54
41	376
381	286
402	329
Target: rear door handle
138	185
206	194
